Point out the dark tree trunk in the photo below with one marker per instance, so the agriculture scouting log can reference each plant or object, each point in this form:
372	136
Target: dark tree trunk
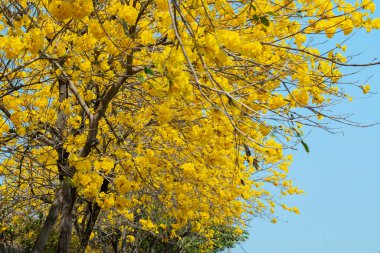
62	164
66	171
66	220
94	213
115	243
49	222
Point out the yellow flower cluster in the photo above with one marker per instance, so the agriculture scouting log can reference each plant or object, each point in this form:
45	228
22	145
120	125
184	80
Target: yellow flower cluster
64	9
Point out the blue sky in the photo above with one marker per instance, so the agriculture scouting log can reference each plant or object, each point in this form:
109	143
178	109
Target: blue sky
340	210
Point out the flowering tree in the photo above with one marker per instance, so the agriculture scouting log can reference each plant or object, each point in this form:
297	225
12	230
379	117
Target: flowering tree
159	121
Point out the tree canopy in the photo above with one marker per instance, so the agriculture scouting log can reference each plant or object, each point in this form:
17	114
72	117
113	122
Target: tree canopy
159	124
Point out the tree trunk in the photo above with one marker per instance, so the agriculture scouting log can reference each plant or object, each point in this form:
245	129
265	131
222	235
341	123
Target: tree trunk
95	210
66	220
62	163
49	222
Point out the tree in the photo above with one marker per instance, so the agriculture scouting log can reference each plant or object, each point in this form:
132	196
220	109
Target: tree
163	120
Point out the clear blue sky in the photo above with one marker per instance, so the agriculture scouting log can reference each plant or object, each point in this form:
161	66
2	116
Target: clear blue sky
340	210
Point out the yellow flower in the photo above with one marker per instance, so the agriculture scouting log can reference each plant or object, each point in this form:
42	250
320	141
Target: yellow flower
376	23
130	238
129	14
106	164
13	47
60	9
277	102
300	39
85	66
96	29
369	5
148	225
366	88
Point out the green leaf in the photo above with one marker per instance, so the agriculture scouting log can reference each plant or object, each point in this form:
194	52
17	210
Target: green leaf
255	17
272	13
140	78
305	146
264	21
148	71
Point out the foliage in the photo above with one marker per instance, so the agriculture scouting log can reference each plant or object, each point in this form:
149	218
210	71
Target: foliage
163	119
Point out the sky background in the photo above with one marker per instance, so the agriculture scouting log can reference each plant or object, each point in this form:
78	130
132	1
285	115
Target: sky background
340	210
